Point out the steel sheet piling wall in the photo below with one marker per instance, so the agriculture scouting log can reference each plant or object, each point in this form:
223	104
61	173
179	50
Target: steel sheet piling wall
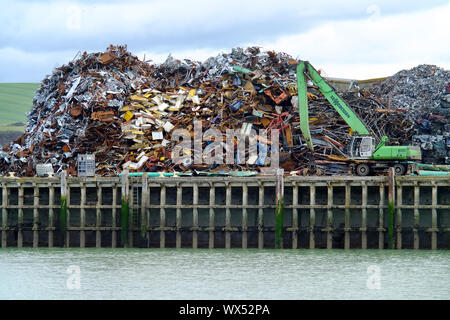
321	212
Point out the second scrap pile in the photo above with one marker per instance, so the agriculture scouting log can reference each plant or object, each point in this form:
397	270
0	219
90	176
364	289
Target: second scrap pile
244	90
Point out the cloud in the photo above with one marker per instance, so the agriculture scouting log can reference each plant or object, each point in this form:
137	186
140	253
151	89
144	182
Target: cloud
20	66
351	38
373	47
167	25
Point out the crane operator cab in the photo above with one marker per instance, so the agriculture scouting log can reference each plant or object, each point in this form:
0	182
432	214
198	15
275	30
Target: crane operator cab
361	147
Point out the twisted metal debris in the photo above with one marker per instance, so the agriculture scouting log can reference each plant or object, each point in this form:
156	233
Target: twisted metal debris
423	93
123	110
62	122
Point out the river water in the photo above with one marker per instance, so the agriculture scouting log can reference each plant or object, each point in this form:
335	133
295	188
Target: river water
223	274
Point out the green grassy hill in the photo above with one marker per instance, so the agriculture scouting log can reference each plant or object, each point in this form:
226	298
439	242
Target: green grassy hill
15	100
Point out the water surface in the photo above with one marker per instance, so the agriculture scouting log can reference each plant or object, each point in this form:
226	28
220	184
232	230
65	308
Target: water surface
223	274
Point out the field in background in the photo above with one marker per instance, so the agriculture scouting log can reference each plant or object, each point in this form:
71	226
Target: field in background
15	100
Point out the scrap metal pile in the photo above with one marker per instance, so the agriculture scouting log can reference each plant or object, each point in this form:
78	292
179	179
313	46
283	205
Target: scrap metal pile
423	93
124	111
75	111
239	100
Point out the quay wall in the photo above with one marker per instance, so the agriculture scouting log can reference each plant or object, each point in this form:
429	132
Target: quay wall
227	212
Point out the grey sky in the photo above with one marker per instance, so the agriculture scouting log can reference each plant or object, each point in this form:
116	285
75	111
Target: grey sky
345	38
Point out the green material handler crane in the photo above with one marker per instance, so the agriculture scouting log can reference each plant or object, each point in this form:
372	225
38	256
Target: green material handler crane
362	149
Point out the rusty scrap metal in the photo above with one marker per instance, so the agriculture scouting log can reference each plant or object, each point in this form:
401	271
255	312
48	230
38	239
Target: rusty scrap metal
123	111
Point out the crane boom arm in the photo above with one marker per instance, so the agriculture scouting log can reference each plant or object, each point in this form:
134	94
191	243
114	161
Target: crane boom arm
344	110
